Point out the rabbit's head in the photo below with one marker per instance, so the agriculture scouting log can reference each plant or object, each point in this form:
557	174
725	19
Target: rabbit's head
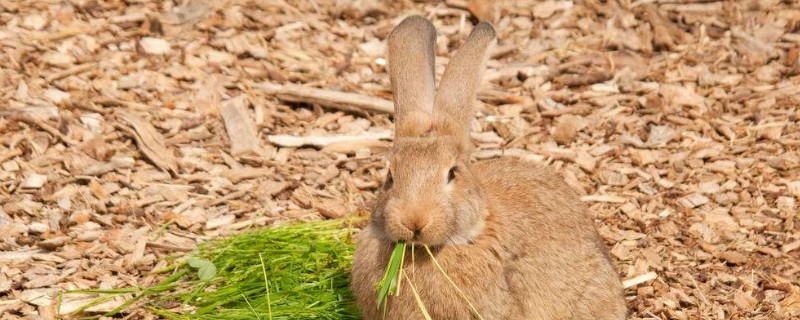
430	195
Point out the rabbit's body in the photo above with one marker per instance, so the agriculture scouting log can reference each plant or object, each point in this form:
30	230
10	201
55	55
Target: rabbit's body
519	269
511	234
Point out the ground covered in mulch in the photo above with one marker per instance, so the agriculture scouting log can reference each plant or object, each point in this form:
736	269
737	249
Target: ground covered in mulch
131	131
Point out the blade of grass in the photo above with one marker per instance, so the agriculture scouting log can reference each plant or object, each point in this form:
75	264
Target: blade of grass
250	306
463	295
421	305
110	294
389	283
400	268
266	285
413	265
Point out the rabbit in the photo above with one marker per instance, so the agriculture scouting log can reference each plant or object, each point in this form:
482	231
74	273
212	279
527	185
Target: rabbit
512	235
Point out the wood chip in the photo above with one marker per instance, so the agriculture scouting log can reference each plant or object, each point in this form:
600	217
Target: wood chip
331	209
734	257
693	200
567	126
34	180
54	243
220	221
155	46
150	141
603	198
240	127
483	10
637	280
644	157
789	247
546	9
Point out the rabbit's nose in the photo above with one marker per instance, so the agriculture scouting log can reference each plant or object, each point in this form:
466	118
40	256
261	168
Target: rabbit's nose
415	222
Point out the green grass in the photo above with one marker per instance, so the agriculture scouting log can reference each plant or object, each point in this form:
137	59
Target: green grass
390	283
298	271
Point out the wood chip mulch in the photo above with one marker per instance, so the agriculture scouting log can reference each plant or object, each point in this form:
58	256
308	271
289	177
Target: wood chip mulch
130	131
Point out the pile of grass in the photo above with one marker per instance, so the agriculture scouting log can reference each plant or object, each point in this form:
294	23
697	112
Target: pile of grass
298	271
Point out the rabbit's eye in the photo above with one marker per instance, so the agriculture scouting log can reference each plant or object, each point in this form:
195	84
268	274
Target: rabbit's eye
451	175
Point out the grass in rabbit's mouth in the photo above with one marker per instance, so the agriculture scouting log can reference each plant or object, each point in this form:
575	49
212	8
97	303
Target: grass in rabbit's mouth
390	283
395	272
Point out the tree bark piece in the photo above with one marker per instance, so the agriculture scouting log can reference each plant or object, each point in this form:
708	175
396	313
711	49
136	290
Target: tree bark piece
240	127
333	99
150	142
665	33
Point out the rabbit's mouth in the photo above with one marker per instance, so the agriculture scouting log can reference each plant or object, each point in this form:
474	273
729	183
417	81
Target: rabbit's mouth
428	234
435	233
417	221
454	239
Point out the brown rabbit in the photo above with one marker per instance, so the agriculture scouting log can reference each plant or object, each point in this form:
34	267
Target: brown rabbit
510	233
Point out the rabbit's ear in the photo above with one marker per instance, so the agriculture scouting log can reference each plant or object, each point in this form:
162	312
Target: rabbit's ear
456	95
411	63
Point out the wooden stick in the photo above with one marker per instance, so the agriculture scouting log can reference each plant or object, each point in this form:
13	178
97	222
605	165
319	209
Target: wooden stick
513	152
111	102
577	109
512	71
458	4
333	99
354	102
46	127
71	71
283	140
639	279
169	247
603	198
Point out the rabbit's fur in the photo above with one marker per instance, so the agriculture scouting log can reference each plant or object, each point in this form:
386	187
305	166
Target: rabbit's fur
511	234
